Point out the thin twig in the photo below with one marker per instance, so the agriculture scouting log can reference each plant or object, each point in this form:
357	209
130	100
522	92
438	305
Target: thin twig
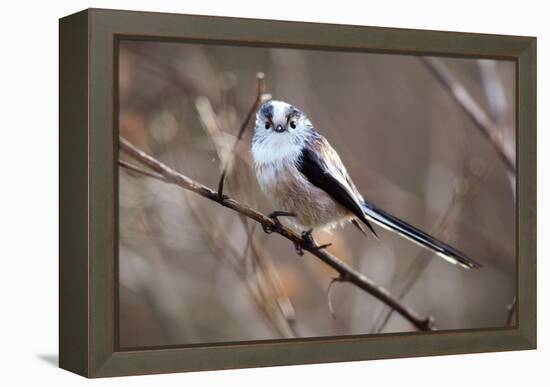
253	108
345	271
260	260
329	293
468	104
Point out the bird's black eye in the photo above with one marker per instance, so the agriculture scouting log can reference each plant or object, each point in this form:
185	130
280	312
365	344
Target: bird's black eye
293	124
267	125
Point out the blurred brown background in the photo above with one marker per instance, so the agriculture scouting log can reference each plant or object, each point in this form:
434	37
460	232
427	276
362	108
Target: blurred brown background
194	272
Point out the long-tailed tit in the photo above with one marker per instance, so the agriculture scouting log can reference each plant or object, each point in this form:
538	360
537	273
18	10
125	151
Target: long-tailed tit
304	177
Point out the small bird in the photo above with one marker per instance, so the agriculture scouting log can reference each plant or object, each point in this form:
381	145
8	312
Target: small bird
304	177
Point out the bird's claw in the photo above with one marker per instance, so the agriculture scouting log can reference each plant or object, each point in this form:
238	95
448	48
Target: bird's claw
308	238
308	243
276	227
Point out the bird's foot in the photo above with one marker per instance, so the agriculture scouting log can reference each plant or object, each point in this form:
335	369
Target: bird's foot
274	216
308	243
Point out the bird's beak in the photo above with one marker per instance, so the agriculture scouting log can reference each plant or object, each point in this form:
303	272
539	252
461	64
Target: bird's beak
279	129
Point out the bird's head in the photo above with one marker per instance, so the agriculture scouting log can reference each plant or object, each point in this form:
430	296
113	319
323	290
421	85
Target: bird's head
279	123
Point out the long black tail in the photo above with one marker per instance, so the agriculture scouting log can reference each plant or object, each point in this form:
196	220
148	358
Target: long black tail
442	249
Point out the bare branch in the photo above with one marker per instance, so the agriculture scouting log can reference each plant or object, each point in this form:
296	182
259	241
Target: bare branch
253	108
468	104
345	271
135	169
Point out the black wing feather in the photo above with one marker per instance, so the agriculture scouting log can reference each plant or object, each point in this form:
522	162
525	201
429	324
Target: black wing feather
315	170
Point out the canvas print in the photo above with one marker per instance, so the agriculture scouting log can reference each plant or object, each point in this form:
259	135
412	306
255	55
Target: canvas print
279	193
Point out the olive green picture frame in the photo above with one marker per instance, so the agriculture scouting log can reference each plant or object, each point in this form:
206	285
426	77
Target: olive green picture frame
89	196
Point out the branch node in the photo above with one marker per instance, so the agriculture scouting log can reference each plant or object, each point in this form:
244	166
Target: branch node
221	197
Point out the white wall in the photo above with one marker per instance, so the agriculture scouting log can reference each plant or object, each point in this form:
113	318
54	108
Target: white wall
29	180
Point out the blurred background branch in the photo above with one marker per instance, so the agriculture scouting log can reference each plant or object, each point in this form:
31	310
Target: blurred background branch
482	121
496	99
469	184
